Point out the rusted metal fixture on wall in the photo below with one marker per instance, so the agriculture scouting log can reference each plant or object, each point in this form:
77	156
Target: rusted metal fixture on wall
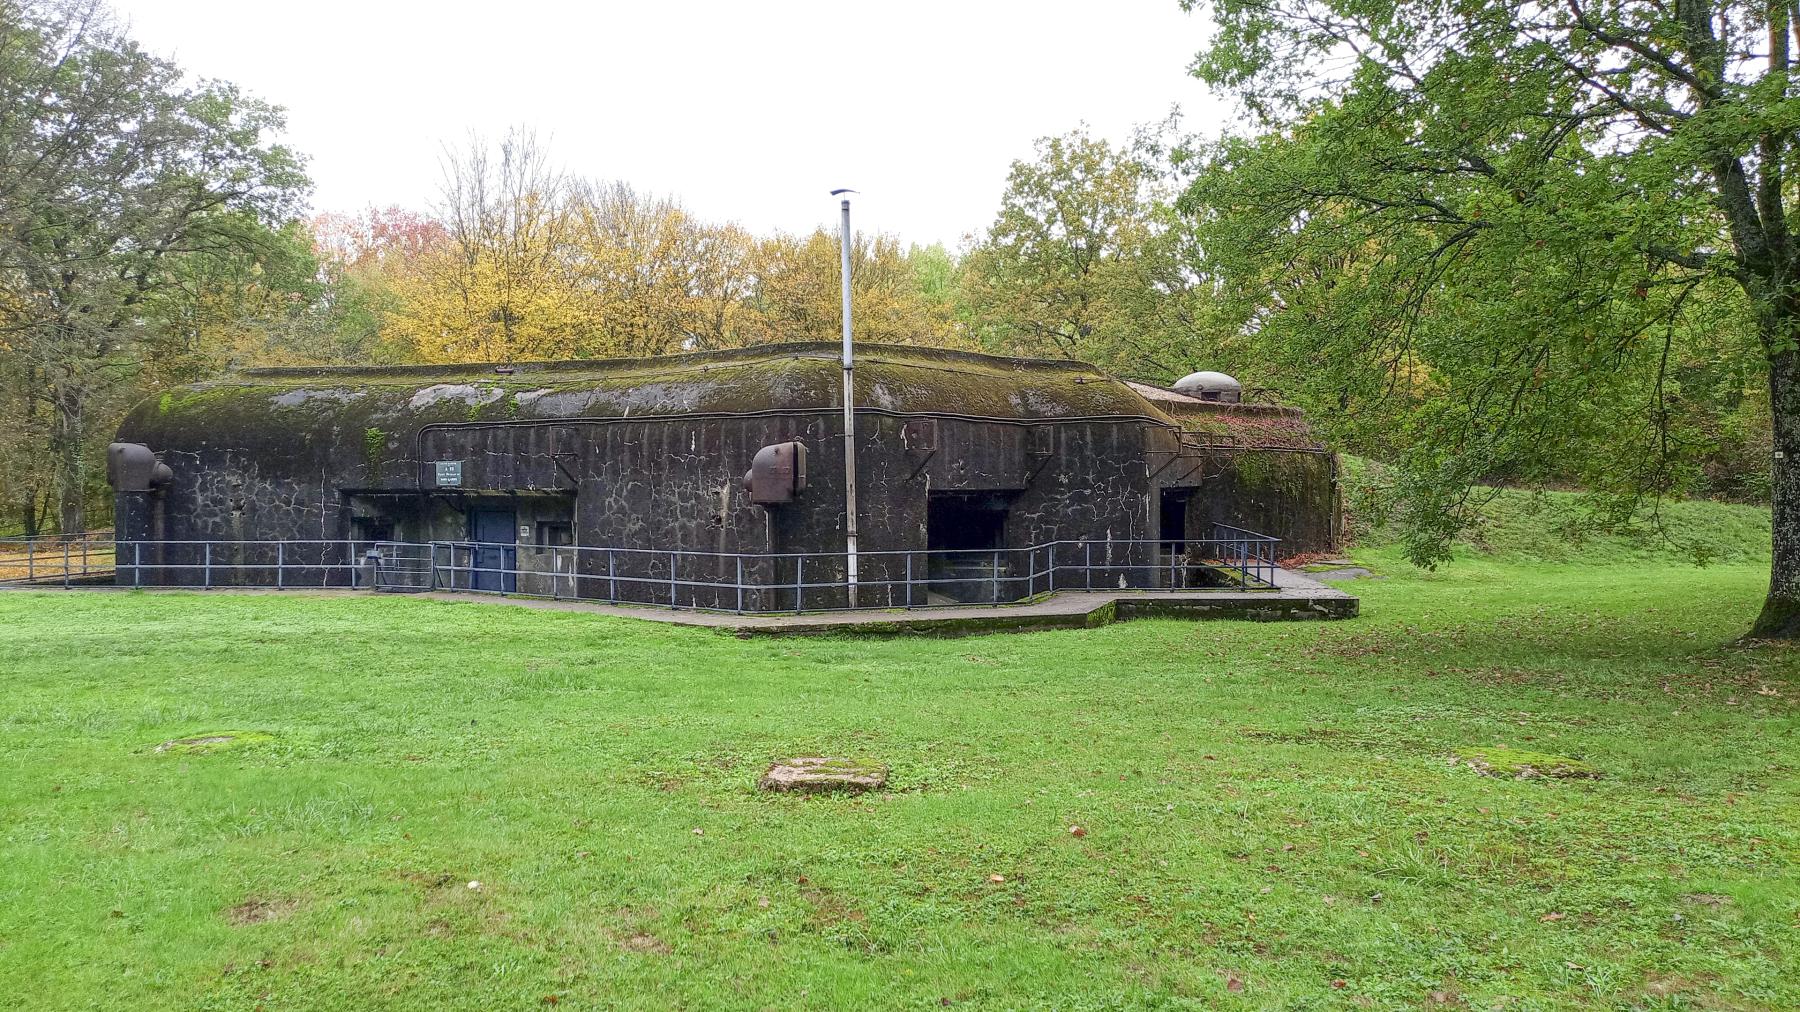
777	474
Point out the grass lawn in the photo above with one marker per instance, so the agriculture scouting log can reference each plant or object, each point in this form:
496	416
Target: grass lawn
1272	815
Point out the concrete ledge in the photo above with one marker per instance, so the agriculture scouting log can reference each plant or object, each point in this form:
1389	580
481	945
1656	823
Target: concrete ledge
1060	611
1296	597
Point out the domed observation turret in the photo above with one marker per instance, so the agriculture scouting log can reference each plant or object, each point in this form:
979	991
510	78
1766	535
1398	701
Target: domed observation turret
1211	386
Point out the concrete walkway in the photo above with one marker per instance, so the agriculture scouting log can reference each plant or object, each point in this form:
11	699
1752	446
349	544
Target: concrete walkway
1296	597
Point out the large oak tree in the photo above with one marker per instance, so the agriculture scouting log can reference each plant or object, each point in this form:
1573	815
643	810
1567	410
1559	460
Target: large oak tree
117	178
1497	229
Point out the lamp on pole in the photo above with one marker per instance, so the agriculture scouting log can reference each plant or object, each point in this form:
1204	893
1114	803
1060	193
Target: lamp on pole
849	404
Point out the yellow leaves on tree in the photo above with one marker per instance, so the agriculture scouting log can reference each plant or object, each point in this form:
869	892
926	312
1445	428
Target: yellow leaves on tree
497	285
798	295
527	264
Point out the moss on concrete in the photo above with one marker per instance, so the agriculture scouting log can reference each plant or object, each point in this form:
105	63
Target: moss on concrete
1275	471
851	767
214	741
775	377
1523	764
815	774
374	446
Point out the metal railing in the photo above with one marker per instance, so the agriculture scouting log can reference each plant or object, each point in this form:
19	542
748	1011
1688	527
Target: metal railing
1230	559
57	559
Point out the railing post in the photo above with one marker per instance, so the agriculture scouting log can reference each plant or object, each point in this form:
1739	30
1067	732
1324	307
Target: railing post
909	580
1087	565
65	564
612	579
1031	572
137	563
671	579
740	581
30	560
206	574
280	565
84	555
799	582
995	578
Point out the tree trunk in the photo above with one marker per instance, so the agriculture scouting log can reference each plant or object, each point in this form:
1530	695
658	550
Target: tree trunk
1780	618
70	481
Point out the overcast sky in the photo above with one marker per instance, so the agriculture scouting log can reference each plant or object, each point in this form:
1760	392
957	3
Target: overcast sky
746	111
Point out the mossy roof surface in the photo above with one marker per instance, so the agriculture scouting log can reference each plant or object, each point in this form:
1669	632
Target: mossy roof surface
1250	425
772	378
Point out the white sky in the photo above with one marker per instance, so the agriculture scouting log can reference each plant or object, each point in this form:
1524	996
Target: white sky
734	108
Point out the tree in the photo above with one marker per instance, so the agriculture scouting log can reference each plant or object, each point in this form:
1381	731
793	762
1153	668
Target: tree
27	479
289	301
661	280
111	171
1516	220
1081	262
499	286
721	280
361	258
798	294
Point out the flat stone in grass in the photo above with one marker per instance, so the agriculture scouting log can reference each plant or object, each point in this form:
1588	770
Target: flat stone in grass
1521	764
216	741
1332	574
815	774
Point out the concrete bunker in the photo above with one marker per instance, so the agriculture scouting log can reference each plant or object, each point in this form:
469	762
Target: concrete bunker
709	480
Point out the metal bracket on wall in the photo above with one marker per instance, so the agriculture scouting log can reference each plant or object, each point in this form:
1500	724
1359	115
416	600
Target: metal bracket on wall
1174	455
1190	446
921	468
557	459
1199	465
919	435
1041	446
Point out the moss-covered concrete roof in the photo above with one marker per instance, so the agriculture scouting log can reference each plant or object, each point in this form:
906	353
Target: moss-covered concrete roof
769	378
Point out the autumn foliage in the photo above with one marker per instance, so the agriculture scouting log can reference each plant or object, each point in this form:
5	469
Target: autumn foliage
518	261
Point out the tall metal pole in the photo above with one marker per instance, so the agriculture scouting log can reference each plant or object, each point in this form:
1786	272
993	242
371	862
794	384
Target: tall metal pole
849	413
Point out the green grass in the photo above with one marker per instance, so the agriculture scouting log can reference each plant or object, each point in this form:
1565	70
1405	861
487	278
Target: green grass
1524	526
1273	816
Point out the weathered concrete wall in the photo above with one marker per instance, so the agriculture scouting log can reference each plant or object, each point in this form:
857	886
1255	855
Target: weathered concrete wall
666	485
1290	494
302	459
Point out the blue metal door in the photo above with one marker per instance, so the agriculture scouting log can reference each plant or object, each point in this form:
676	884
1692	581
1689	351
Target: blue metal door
495	555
